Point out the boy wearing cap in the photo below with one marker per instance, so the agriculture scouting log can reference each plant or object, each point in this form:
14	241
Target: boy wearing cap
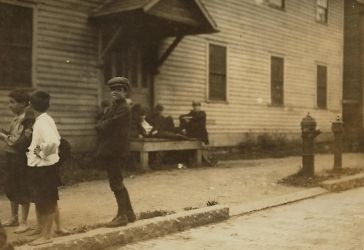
193	124
113	147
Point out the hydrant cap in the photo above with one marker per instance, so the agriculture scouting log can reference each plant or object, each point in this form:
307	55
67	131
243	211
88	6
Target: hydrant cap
308	122
337	125
338	120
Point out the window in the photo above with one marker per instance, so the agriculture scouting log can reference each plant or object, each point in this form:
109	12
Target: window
217	72
16	32
277	79
276	3
321	86
322	11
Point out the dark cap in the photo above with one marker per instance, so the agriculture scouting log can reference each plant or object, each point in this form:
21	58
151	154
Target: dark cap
159	107
119	81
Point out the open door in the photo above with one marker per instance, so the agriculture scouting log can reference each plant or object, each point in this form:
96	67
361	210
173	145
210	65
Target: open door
133	60
130	32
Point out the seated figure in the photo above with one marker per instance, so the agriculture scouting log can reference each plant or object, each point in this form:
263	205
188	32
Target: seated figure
156	126
161	123
193	124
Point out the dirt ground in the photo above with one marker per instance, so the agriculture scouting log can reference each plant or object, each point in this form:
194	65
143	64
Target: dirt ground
321	223
231	182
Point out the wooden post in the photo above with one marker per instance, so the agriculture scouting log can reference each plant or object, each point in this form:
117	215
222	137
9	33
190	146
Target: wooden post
144	160
199	156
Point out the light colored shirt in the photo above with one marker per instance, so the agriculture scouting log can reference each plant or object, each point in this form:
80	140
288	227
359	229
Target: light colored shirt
46	136
147	127
15	131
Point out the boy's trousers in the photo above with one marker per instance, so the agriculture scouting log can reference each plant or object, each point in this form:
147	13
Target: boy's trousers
113	168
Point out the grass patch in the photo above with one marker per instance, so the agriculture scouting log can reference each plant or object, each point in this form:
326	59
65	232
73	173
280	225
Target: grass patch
297	180
212	203
153	214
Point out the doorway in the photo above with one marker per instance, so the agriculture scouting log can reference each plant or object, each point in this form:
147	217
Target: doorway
133	60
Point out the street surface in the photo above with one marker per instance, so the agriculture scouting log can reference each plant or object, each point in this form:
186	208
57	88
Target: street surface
330	222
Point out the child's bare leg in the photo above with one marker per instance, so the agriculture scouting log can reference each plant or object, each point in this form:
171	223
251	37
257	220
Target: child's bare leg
57	221
13	221
46	221
38	227
23	227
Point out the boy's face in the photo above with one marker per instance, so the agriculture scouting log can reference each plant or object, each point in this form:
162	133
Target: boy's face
16	107
196	108
117	93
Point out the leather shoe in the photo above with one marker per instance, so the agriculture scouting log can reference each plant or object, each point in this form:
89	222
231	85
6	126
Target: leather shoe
119	221
131	216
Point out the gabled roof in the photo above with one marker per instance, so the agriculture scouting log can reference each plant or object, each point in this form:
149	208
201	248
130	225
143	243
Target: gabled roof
115	7
118	6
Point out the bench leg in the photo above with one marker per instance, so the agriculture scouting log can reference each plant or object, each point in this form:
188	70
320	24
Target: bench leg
144	160
199	157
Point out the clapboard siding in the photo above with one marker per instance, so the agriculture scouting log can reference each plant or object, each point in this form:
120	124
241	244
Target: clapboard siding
65	57
254	32
65	64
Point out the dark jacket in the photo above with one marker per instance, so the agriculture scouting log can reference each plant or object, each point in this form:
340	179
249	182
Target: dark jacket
196	125
22	144
113	130
161	123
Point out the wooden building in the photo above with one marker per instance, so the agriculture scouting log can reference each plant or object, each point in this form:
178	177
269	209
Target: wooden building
353	85
256	65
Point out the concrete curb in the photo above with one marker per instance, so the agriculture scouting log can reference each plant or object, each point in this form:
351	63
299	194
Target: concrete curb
344	183
276	201
147	229
140	230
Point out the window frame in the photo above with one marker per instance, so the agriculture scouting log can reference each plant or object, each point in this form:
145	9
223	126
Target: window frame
32	5
317	86
282	7
226	46
270	80
317	7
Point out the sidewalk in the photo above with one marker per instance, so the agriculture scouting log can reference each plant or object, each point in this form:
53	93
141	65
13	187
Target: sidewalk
231	183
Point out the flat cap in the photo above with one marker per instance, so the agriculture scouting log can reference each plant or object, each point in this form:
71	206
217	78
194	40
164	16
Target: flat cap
119	81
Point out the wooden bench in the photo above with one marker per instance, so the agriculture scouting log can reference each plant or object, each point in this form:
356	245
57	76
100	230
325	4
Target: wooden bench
146	145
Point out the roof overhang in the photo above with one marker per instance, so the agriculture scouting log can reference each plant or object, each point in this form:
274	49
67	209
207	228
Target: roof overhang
169	18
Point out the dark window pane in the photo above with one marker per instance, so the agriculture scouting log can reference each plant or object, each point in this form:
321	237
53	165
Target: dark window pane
217	72
321	86
16	32
277	78
217	90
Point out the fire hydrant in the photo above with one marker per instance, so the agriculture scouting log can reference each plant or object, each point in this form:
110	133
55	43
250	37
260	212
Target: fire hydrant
309	133
337	128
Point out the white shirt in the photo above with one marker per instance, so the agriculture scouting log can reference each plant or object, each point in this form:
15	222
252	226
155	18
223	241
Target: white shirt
147	127
46	136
